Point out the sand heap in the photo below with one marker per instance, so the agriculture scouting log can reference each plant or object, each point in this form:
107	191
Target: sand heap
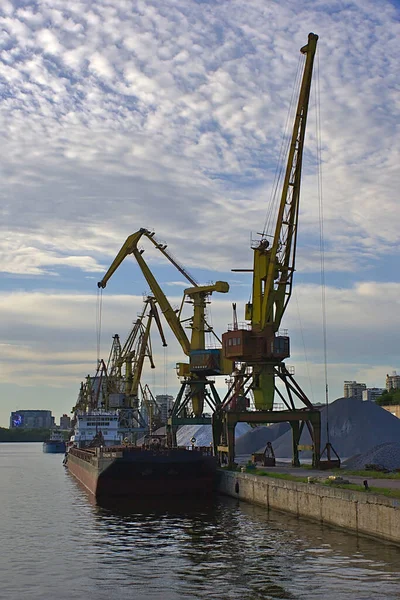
354	428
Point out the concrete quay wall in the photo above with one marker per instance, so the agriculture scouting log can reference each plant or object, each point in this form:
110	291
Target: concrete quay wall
364	513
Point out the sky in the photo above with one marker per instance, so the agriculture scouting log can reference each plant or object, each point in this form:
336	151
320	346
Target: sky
122	114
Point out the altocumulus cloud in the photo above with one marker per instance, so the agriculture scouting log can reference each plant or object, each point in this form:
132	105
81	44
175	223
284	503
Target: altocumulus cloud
171	112
117	115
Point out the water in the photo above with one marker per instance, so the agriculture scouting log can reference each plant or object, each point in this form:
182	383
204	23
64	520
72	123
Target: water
57	544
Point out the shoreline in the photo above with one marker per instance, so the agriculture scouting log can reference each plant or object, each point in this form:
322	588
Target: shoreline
363	513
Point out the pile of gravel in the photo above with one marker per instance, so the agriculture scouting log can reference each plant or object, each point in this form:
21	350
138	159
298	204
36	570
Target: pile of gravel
354	428
258	437
385	456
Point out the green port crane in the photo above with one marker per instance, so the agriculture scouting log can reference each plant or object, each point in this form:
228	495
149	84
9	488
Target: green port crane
258	348
197	390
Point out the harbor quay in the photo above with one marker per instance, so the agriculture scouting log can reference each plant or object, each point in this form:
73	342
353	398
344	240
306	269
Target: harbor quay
366	514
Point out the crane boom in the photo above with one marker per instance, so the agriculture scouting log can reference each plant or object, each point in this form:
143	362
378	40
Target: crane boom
285	238
130	247
274	267
144	348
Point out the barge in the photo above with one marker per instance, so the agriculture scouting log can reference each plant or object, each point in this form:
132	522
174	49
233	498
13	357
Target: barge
138	471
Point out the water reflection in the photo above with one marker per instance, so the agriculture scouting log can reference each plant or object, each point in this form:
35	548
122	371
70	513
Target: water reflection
229	549
203	551
59	543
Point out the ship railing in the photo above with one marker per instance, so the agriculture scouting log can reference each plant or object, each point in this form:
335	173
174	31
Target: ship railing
86	454
205	450
238	326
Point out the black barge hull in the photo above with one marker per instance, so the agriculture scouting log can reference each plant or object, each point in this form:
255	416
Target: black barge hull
130	471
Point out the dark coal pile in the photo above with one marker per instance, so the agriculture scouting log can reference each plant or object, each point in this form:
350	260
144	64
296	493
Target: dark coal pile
258	437
355	427
385	456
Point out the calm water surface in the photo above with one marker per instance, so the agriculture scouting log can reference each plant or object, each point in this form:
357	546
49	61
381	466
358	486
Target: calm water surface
57	544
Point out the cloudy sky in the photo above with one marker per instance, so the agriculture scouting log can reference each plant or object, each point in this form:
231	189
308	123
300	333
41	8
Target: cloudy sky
121	114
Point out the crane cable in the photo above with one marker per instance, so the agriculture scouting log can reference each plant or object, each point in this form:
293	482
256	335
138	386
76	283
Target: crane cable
304	345
165	370
321	241
99	308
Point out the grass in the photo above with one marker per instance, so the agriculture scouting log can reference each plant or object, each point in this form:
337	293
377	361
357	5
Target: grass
370	474
388	492
281	476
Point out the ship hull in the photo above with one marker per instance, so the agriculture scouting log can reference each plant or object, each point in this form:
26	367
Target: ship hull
54	447
129	472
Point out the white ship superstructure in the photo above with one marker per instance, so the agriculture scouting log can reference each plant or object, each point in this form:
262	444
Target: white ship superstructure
99	425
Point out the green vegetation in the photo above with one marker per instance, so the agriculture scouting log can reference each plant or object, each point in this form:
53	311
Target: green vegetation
389	398
24	435
388	492
286	476
370	474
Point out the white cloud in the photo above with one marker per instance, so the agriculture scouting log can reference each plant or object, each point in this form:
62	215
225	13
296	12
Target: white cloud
192	104
170	115
49	42
101	66
49	339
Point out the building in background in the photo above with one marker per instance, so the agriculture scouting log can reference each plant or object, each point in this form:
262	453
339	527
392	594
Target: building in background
31	419
352	389
392	381
393	408
165	403
65	422
371	394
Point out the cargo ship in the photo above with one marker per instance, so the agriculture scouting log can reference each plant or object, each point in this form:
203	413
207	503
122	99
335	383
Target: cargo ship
148	470
56	443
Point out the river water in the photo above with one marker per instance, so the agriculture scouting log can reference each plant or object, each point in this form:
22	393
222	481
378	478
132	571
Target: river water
57	544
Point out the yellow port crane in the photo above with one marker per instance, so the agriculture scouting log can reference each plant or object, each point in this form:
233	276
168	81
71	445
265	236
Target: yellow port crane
125	363
152	408
93	391
257	347
125	367
116	384
196	388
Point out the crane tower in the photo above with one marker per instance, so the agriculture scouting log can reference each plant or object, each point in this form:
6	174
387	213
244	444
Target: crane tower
257	347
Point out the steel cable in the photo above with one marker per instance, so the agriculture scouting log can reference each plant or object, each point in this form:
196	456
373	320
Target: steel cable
99	308
321	240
